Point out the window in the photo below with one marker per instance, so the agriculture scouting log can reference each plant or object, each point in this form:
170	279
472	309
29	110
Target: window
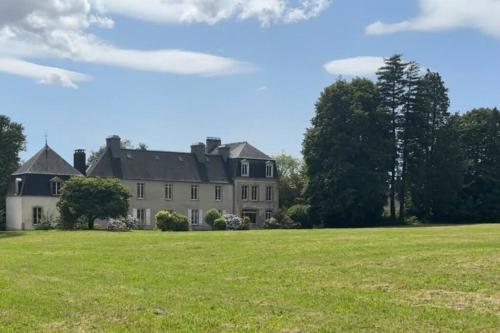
37	215
254	196
55	188
19	186
218	193
269	169
269	214
141	216
195	217
194	192
269	193
244	192
168	191
245	168
140	190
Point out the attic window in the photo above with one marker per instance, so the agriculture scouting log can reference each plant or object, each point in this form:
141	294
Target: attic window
129	155
157	157
269	169
19	185
245	168
180	159
55	188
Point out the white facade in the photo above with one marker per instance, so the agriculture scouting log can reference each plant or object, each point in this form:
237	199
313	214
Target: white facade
20	211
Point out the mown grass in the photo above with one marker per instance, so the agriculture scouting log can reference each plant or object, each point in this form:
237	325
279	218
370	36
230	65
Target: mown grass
395	279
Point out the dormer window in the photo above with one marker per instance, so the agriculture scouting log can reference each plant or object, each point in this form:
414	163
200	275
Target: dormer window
245	168
19	186
55	186
269	169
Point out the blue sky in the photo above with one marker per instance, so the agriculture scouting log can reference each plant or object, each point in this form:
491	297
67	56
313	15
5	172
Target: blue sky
252	74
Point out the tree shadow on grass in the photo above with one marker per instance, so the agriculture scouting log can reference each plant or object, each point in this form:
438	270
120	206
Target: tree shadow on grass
10	234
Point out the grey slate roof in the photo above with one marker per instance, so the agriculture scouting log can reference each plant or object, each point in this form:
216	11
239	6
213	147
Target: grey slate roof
47	162
244	150
160	166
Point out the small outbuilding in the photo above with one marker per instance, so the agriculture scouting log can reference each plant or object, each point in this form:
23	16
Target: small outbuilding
35	187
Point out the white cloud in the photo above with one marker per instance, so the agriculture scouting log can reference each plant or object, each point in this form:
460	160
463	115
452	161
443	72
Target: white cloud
60	29
262	88
42	74
357	66
214	11
447	14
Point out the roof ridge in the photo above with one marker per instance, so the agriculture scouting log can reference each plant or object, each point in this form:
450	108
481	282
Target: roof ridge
156	151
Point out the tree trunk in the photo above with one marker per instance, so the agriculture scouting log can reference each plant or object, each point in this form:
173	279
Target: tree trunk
91	223
402	199
393	195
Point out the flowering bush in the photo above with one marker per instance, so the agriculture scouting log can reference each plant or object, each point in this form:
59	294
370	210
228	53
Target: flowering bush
234	222
122	224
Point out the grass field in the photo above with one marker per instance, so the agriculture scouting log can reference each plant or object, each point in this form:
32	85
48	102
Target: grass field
396	279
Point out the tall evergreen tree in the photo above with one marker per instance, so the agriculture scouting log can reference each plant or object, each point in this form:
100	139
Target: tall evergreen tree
391	85
348	153
410	128
431	117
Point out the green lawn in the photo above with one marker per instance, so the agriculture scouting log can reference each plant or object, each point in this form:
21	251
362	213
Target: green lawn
397	279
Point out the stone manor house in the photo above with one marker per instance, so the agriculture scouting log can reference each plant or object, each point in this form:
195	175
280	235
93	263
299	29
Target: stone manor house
235	178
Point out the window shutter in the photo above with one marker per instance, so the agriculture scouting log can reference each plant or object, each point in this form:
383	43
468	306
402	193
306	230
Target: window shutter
201	217
190	214
134	212
148	216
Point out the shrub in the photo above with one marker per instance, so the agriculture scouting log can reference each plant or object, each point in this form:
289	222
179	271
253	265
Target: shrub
212	215
123	224
167	221
412	220
246	223
271	223
281	221
48	222
220	224
234	222
300	215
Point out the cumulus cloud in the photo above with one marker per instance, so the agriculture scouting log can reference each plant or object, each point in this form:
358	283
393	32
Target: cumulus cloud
60	29
214	11
445	15
42	74
357	66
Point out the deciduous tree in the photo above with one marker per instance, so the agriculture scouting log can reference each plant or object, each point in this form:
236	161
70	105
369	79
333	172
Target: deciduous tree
12	142
85	199
348	153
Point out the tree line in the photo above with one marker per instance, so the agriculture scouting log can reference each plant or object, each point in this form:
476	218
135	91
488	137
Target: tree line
394	144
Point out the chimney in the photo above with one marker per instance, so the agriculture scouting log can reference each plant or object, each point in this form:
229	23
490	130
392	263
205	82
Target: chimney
213	143
224	152
80	161
199	150
114	144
